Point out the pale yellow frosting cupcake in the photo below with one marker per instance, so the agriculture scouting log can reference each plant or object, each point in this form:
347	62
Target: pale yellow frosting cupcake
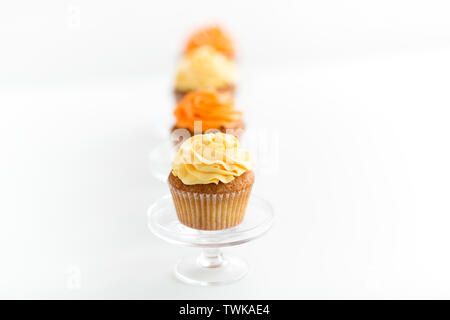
210	158
211	182
205	68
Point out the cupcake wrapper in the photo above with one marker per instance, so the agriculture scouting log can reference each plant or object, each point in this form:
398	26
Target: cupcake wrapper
205	211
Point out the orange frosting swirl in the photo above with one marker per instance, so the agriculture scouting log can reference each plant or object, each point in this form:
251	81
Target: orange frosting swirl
214	109
214	37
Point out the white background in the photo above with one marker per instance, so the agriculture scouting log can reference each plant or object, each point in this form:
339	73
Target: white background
357	93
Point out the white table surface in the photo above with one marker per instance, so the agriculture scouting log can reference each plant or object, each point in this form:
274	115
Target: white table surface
353	97
360	189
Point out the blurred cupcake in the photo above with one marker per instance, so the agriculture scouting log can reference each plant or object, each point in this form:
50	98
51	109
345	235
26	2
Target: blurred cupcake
206	110
204	67
211	182
212	36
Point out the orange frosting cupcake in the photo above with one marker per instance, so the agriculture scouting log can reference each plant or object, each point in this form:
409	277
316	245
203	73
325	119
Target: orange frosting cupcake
212	36
215	110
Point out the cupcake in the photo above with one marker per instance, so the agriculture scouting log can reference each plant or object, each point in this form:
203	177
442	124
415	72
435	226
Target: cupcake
205	67
212	36
211	182
204	111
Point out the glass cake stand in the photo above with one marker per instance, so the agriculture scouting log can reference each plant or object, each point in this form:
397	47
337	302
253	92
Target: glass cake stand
211	267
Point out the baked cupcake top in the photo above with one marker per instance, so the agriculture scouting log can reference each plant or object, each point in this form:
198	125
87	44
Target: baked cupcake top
214	110
210	158
214	37
205	68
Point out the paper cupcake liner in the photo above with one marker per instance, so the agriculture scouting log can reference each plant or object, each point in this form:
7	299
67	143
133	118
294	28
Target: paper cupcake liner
205	211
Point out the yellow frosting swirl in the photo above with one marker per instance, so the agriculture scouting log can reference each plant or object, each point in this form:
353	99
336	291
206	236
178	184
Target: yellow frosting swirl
205	68
210	158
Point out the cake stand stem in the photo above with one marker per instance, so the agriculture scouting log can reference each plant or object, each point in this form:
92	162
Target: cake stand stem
210	268
210	258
